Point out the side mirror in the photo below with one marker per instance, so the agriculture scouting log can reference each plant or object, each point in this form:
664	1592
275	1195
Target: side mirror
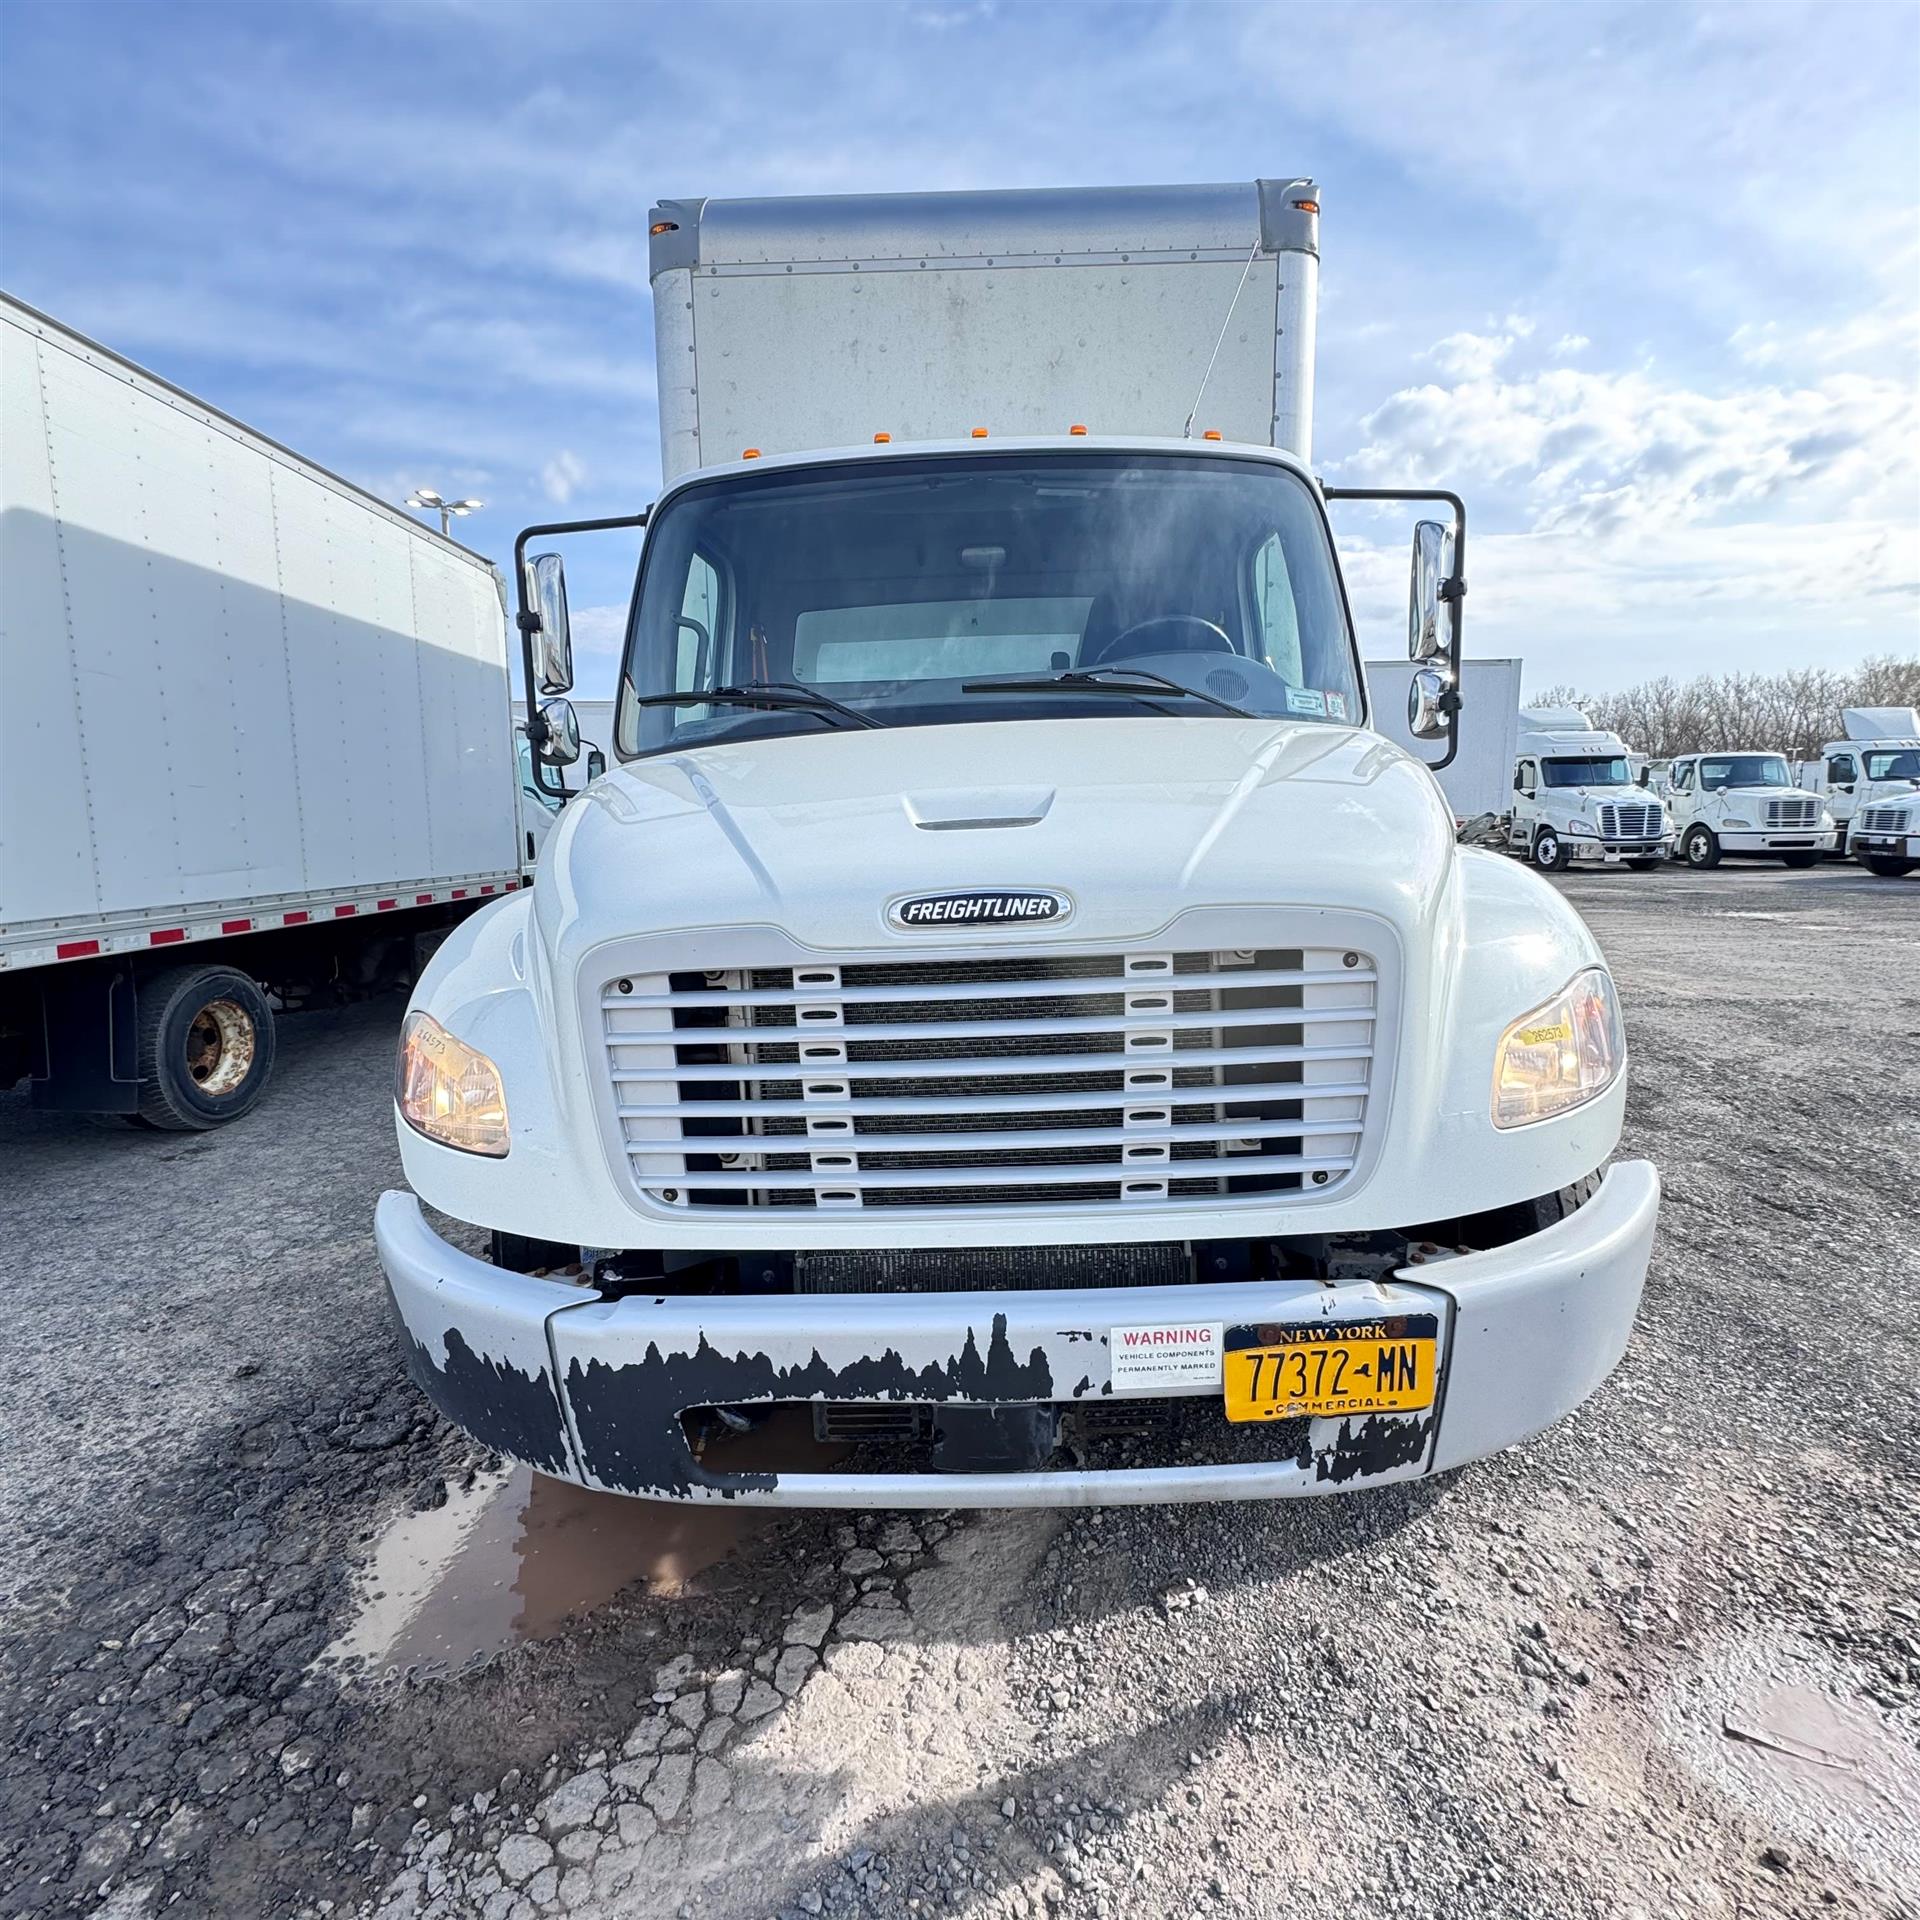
596	763
1429	606
1429	705
553	641
561	747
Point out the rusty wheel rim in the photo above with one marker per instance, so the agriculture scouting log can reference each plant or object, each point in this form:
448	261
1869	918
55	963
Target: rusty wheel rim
220	1047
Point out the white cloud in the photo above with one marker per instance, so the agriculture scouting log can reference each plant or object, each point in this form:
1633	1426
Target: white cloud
1569	344
1607	451
562	475
598	630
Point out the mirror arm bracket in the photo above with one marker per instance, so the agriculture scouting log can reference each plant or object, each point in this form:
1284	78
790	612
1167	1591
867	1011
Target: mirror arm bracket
528	623
1454	589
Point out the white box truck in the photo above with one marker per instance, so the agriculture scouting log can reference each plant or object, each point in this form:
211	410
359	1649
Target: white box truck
1870	781
1006	999
259	749
1743	804
1478	781
1575	799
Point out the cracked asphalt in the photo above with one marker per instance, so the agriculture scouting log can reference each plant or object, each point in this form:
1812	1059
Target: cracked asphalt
1664	1660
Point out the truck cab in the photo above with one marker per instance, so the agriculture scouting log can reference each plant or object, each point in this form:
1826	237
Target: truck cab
1575	799
1008	1029
1744	803
1875	764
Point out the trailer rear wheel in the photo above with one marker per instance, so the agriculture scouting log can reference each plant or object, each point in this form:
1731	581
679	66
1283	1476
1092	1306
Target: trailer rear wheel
1893	865
205	1047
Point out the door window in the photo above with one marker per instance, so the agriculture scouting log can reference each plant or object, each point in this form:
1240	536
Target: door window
1277	614
1840	769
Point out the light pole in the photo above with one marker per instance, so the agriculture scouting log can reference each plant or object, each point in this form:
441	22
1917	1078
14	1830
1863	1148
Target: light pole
426	497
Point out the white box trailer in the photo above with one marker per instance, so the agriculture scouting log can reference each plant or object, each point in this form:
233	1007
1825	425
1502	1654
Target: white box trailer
792	325
259	735
1005	995
1480	778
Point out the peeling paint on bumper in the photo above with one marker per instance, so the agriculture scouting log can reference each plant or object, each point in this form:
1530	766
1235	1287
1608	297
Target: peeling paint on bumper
592	1390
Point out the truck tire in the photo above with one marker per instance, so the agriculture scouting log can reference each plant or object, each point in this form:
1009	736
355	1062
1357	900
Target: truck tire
204	1048
1551	854
1892	865
1700	848
1645	866
1799	859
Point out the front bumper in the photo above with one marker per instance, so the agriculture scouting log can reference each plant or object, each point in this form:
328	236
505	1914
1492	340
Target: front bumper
1779	840
591	1390
1612	852
1903	846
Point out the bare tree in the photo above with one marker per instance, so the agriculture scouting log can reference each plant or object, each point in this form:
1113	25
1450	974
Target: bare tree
1795	712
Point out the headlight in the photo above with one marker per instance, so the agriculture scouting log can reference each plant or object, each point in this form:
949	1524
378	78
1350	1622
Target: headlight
1579	830
1560	1055
448	1090
1730	821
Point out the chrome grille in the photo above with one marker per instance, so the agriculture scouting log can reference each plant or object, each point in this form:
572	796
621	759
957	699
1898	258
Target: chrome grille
1619	822
1793	813
1020	1081
1883	819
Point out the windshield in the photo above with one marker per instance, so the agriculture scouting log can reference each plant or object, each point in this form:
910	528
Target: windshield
1595	770
1904	765
1744	770
903	589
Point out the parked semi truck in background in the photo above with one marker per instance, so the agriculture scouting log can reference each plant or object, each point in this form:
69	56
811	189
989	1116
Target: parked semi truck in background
1007	999
1870	781
1575	799
1744	803
260	753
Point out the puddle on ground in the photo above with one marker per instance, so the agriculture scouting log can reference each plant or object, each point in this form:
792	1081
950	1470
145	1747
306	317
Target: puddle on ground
516	1556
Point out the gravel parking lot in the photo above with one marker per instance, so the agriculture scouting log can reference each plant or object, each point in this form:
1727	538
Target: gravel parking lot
276	1642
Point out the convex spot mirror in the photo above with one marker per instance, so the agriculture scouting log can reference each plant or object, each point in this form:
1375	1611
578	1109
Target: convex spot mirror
561	748
1429	712
553	643
1429	615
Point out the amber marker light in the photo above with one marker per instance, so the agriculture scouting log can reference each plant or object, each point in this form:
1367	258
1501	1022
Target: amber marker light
1212	433
882	439
749	453
1078	429
979	433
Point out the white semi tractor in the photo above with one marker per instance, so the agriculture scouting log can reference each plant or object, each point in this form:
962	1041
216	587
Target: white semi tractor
1870	782
1006	997
1575	800
1744	804
259	752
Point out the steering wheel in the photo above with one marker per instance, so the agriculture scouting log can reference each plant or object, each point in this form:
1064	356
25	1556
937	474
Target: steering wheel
1183	633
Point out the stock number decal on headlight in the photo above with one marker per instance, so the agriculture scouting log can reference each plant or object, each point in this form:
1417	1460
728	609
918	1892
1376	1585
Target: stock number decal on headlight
980	907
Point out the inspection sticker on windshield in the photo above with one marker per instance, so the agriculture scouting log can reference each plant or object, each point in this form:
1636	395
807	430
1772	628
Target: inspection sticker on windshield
1336	706
1172	1356
1306	700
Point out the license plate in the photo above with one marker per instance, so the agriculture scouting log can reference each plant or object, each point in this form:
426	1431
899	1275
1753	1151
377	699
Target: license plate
1611	859
1331	1371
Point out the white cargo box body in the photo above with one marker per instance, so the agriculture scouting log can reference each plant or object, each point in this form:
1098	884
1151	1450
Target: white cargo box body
242	693
1480	780
798	324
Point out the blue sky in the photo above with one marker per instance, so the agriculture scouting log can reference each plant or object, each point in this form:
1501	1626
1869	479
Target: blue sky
1642	282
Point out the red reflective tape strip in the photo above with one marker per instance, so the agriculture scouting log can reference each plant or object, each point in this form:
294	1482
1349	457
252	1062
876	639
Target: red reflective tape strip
385	906
236	926
166	936
75	949
459	893
298	918
342	911
423	899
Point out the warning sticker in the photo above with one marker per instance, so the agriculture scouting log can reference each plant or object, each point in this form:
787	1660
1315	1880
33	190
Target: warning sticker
1173	1356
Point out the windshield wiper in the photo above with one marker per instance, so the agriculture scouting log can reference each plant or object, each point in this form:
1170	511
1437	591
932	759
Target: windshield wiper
777	695
1139	681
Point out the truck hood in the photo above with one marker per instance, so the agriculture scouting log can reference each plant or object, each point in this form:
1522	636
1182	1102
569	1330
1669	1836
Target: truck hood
1136	819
